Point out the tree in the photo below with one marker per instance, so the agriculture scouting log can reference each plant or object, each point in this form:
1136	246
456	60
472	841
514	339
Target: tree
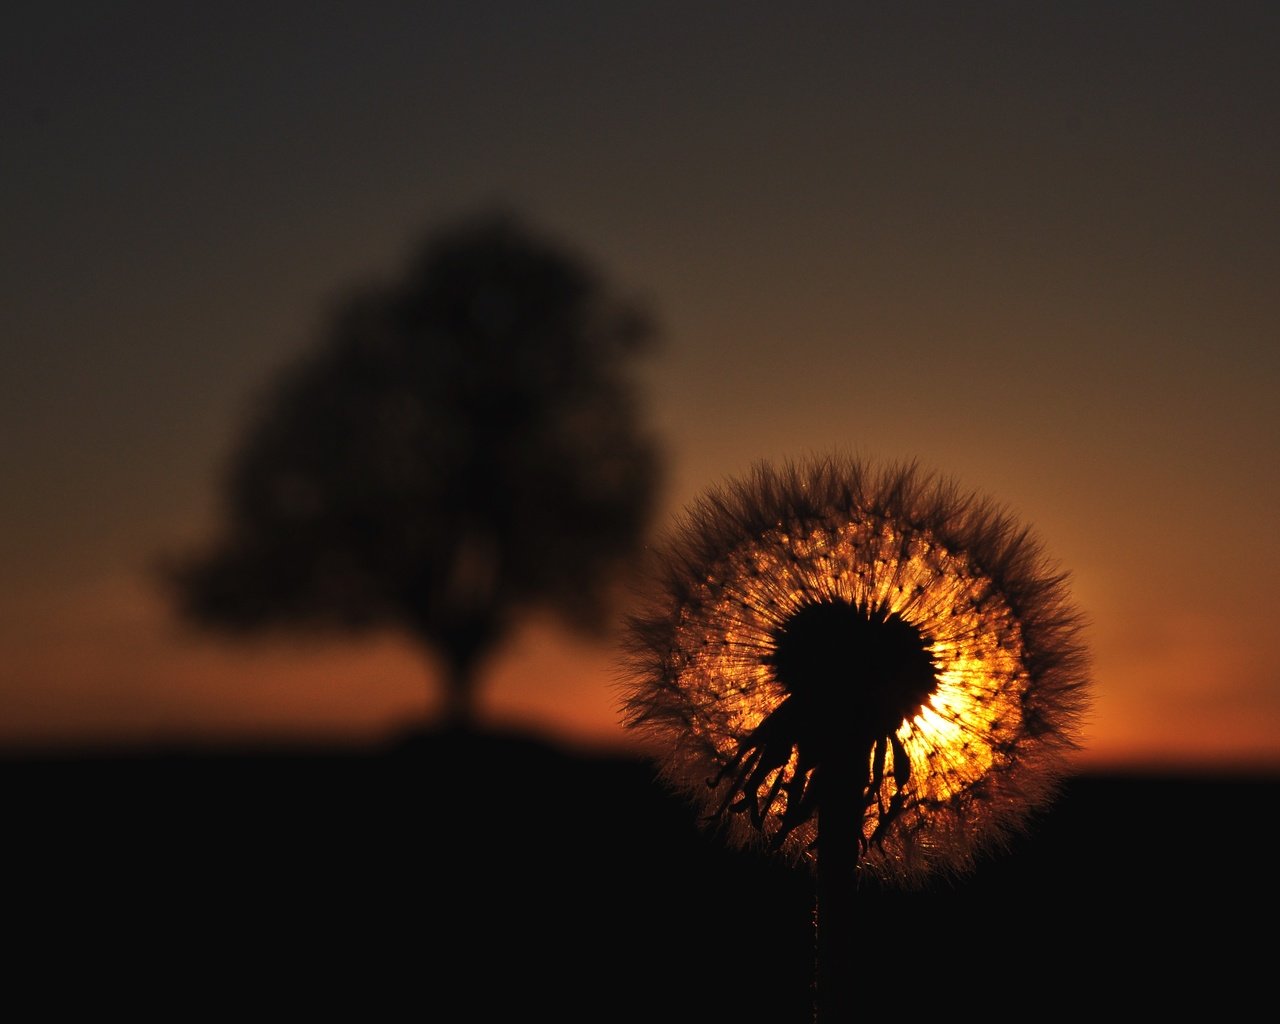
463	447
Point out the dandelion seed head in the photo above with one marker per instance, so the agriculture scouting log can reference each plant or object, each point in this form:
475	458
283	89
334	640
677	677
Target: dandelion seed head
828	608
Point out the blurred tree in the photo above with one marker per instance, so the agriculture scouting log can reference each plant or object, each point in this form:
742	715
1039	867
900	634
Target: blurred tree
463	447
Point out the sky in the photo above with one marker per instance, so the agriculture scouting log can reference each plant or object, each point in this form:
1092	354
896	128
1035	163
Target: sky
1034	247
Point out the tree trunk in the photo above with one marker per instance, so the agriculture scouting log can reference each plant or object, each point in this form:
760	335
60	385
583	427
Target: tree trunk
458	712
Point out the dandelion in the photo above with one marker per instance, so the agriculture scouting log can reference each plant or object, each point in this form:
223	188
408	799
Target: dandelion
867	671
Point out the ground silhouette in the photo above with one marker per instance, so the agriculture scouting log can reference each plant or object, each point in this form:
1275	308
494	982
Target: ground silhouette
499	876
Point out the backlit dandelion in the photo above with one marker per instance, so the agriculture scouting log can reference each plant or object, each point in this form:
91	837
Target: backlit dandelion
867	671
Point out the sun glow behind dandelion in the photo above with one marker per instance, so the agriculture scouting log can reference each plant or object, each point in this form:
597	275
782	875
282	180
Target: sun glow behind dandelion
964	715
958	731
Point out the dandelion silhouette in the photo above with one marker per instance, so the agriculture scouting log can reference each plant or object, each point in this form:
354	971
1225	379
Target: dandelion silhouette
867	671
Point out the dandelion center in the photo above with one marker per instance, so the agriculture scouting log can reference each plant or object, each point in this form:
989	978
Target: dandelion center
869	671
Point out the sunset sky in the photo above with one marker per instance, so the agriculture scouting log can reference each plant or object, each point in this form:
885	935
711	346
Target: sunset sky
1035	247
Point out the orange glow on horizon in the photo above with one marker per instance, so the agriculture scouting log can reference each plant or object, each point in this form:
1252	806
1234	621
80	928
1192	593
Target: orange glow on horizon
98	665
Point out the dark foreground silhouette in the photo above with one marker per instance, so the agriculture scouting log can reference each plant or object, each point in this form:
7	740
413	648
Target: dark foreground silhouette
496	877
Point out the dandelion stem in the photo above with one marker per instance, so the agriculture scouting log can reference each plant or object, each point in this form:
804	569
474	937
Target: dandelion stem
843	780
